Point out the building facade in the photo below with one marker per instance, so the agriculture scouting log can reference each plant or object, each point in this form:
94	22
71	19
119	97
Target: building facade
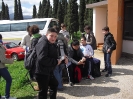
118	15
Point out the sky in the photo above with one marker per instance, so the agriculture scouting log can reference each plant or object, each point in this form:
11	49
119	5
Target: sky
27	5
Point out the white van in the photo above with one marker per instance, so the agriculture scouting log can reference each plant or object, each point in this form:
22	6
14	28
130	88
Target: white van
16	29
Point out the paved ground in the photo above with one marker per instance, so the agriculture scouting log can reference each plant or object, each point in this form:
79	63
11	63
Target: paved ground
119	86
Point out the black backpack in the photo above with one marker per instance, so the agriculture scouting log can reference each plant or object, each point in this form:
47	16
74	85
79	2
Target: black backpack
30	59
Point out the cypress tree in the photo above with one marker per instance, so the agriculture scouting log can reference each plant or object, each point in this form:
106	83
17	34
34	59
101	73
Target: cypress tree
20	11
81	15
39	11
59	13
15	10
55	6
7	12
34	12
50	12
47	9
0	15
64	8
44	2
73	16
3	17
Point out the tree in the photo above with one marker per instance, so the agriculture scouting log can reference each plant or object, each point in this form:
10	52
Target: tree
3	11
47	9
7	13
34	12
44	2
50	12
73	16
81	15
39	11
55	6
15	10
0	14
20	15
88	18
64	8
59	13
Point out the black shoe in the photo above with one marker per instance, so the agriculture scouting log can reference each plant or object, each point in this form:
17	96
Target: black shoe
108	75
104	70
60	89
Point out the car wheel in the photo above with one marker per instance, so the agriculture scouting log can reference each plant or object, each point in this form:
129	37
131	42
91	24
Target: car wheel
15	56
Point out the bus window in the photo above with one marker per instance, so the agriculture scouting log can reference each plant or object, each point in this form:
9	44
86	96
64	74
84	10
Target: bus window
4	27
19	26
40	24
52	23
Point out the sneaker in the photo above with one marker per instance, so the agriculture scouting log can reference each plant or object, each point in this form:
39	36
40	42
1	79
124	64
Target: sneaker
108	75
104	70
90	77
71	84
8	98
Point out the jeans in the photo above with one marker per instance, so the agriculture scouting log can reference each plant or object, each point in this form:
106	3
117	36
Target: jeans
89	63
45	81
6	75
107	60
58	74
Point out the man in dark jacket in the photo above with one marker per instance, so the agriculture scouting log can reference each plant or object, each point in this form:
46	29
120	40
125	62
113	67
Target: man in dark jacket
108	47
90	38
76	57
47	60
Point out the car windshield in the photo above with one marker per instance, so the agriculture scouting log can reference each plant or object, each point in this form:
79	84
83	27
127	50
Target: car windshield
10	45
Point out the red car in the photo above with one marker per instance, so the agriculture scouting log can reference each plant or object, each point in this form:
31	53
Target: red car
14	51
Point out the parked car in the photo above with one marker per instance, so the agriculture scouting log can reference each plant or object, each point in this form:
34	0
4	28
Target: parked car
14	51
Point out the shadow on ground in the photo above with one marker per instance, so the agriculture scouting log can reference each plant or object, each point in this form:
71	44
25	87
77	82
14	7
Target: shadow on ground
27	97
94	90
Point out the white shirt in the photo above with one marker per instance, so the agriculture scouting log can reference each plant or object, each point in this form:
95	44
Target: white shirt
64	32
25	42
87	50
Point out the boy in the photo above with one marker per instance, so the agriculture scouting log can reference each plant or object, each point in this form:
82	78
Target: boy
108	46
47	60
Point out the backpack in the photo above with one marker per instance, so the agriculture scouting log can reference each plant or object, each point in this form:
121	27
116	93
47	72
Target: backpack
96	68
30	59
77	75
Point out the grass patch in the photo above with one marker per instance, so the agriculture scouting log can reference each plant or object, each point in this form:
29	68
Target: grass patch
20	87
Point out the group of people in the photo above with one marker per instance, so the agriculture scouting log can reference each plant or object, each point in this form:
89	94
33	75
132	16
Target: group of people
54	54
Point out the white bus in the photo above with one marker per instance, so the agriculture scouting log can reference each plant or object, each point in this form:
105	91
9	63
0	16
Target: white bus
16	29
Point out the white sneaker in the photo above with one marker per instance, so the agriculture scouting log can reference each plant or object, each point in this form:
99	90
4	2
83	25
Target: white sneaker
90	77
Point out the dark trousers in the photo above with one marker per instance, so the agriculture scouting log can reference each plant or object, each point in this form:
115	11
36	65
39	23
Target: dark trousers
107	60
6	75
45	81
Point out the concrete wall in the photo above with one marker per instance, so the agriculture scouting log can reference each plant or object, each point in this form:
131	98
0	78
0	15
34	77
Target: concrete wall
99	21
127	46
115	23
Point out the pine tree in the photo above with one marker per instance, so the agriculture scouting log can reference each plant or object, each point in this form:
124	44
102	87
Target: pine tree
44	2
55	6
7	13
20	11
50	12
64	8
59	13
46	11
39	11
34	12
3	17
73	16
15	10
81	15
